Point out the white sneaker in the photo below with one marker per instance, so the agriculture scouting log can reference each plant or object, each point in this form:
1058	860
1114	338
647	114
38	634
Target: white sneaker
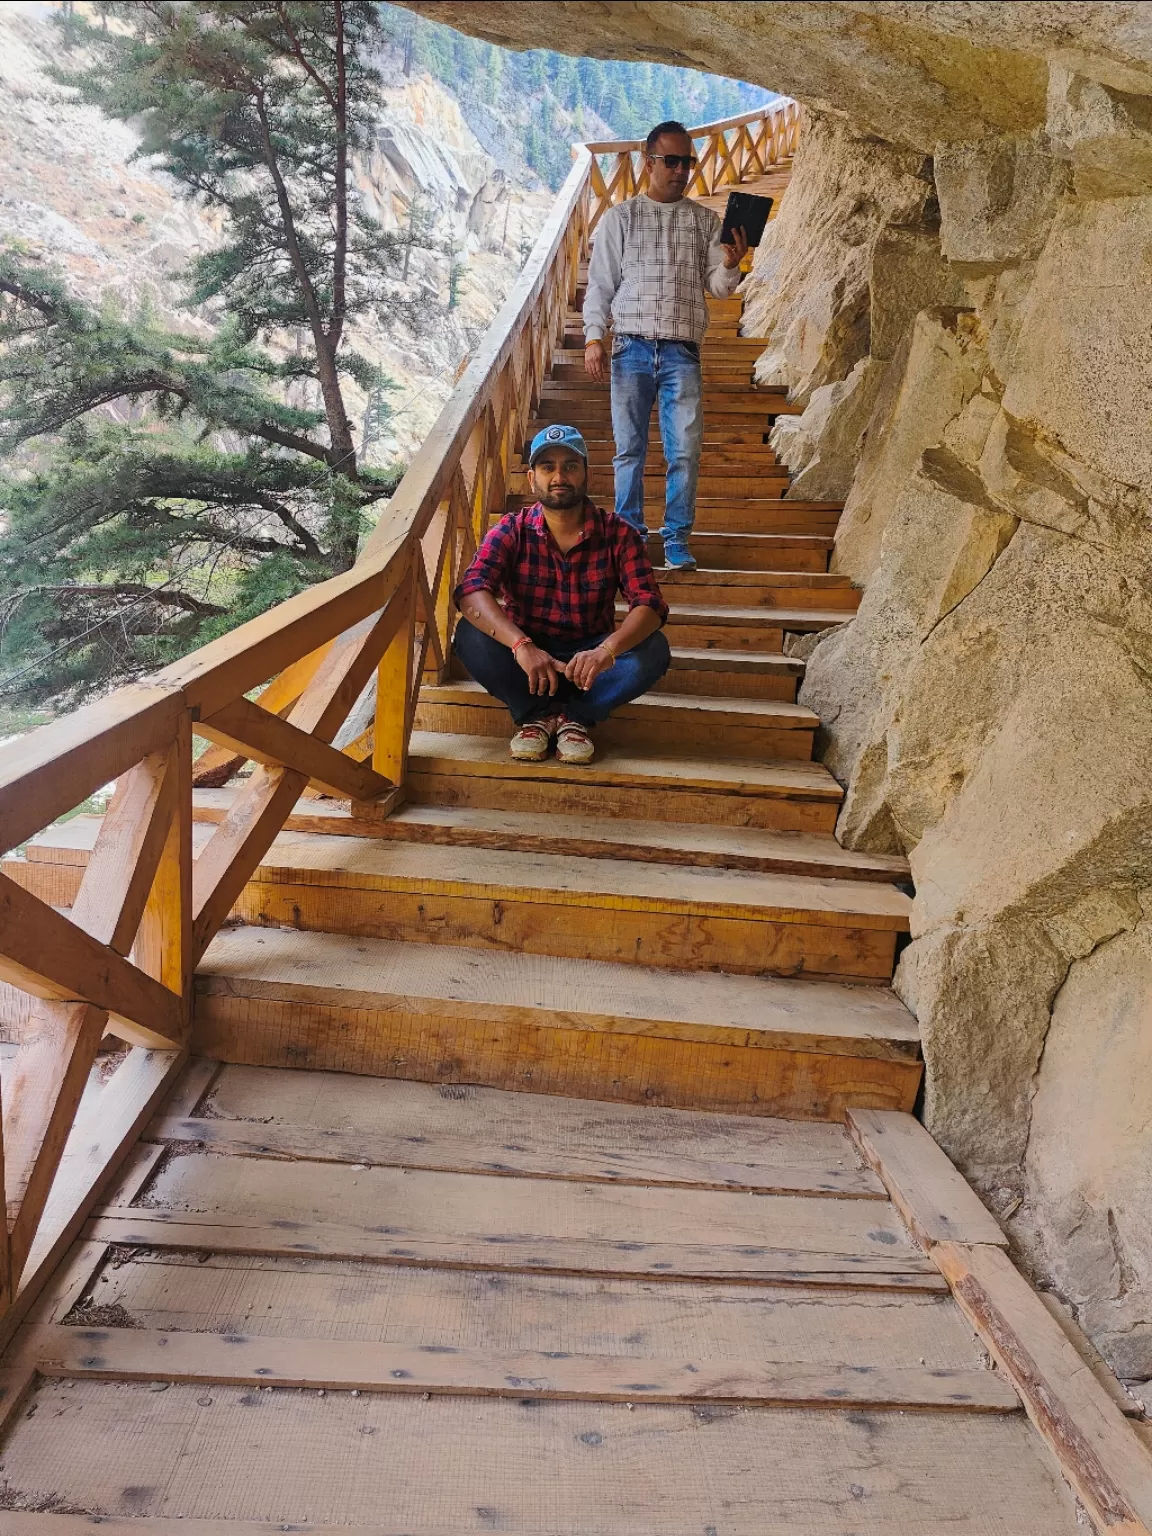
573	743
532	741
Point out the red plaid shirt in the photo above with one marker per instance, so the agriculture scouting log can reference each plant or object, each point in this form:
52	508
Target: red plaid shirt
563	597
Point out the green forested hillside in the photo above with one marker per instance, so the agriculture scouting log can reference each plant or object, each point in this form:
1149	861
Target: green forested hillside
545	100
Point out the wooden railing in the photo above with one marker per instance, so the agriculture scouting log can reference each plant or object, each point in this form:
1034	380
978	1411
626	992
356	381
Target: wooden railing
345	660
735	150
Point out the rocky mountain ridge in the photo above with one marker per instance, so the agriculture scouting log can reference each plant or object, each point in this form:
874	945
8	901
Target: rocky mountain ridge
72	194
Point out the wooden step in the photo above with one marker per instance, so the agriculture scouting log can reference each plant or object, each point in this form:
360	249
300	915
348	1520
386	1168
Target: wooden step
274	997
559	904
738	727
754	551
716	674
732	674
476	771
717	459
770	514
703	627
709	486
595	421
67	845
584	909
577	385
758	589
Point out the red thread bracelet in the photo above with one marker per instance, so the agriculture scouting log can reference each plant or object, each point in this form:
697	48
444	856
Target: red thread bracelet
523	640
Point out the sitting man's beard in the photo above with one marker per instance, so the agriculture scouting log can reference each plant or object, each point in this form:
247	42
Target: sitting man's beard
562	496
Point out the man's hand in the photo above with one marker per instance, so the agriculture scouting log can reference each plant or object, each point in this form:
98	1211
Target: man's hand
543	672
735	253
596	361
586	666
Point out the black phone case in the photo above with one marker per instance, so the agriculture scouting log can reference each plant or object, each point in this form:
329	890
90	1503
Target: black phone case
748	212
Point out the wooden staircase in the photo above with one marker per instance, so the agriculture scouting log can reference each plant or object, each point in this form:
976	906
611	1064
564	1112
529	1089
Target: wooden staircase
591	1204
675	924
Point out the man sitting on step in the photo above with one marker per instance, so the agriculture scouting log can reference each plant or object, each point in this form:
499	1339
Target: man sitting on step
654	258
551	650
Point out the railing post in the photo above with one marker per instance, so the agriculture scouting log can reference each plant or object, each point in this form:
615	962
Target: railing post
394	684
163	946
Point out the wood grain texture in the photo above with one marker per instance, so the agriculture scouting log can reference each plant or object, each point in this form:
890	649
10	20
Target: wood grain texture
487	1209
595	837
461	1155
434	1045
1095	1446
101	1138
333	969
323	1298
552	1469
129	1354
46	954
935	1200
731	1264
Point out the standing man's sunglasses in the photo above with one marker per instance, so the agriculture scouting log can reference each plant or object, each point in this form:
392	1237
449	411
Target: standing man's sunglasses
674	162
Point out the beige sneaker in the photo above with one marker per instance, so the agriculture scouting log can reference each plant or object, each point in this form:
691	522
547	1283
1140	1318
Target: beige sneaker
573	743
532	741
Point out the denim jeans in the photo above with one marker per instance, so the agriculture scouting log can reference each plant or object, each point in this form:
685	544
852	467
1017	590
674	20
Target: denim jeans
497	671
667	372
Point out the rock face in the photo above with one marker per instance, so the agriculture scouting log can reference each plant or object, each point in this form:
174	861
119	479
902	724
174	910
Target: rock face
990	708
959	290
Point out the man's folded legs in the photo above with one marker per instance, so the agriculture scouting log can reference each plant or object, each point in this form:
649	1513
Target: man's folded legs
494	667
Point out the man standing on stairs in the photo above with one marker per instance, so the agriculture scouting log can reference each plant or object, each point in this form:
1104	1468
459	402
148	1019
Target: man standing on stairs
552	652
654	259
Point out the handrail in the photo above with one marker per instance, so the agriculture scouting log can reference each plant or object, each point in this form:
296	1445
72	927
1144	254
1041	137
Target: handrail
730	151
703	130
342	663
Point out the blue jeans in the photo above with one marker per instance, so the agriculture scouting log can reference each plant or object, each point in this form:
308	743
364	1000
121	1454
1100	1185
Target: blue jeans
497	671
667	372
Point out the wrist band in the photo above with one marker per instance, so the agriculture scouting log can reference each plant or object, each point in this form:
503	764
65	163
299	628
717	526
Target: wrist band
604	646
523	640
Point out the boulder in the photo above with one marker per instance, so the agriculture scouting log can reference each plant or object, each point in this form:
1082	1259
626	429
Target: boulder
810	285
998	198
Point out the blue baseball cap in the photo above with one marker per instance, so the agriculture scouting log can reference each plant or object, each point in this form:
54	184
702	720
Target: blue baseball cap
557	437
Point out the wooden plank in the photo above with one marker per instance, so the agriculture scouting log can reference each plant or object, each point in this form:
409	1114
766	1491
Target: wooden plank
483	756
536	1054
42	1093
683	844
163	944
225	668
55	768
535	1468
129	1354
265	738
583	926
760	1013
102	1136
223	868
571	880
49	956
317	1298
484	1209
442	1153
739	1264
1096	1448
932	1197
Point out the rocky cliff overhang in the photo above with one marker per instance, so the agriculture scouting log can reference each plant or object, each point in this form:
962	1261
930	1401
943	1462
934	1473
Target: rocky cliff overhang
907	71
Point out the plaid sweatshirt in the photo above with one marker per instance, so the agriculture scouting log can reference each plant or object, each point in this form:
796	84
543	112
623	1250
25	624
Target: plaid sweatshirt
651	266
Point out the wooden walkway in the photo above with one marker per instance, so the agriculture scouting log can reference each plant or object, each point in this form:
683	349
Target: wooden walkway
545	1161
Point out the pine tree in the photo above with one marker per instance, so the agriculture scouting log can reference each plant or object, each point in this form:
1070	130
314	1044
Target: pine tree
128	542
